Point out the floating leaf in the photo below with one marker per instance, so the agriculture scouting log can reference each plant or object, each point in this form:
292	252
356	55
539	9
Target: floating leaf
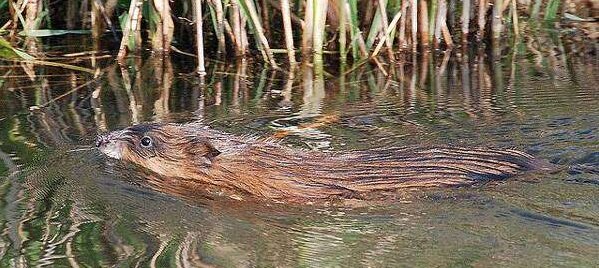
48	32
573	17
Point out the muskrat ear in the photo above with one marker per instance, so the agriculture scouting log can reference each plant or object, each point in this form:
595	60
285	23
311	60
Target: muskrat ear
211	151
204	151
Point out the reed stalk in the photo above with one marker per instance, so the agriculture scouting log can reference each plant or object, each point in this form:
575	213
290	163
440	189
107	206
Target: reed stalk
320	18
402	25
102	13
482	18
515	20
496	21
551	10
32	12
432	18
286	13
163	34
441	29
438	22
374	30
342	31
236	28
452	14
308	33
385	33
230	34
358	45
465	20
362	26
96	21
131	25
265	18
244	34
446	34
199	36
251	12
423	23
219	24
414	16
536	8
15	12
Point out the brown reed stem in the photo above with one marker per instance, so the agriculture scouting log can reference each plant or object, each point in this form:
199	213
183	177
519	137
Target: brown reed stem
402	25
236	25
14	14
423	23
414	15
446	34
385	24
387	34
230	33
220	24
162	38
244	34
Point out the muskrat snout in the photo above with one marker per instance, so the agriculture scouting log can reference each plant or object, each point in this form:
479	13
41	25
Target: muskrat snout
110	145
100	140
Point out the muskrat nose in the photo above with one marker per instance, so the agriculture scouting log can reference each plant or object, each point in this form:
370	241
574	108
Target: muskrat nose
101	140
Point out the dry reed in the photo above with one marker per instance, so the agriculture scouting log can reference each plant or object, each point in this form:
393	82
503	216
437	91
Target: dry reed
348	29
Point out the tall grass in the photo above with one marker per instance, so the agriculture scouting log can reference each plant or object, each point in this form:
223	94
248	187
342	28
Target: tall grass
348	30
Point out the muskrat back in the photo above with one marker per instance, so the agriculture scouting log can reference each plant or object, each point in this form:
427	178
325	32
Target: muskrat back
264	168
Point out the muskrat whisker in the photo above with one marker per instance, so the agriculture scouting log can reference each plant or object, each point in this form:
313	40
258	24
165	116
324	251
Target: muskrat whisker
81	149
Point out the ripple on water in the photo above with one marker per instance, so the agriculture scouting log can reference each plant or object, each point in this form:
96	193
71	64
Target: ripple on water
65	205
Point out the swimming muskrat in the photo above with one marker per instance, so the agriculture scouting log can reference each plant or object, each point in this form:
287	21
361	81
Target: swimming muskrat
267	169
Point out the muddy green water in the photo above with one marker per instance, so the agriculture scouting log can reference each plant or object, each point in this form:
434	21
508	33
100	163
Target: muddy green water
64	205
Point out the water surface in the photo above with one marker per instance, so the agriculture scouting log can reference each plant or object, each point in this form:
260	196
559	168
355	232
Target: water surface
62	204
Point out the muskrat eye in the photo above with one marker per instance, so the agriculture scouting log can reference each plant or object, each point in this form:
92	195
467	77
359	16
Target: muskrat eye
146	141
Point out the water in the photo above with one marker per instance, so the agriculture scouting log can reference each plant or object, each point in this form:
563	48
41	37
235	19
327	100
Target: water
63	204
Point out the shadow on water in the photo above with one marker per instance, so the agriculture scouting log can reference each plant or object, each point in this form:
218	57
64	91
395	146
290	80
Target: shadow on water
64	204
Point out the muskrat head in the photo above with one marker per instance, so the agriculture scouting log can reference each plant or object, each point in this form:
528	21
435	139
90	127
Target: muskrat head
163	148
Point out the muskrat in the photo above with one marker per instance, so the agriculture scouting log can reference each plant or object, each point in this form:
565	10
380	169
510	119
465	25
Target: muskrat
265	168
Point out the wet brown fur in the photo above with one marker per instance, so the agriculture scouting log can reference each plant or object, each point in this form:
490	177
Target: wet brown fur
258	167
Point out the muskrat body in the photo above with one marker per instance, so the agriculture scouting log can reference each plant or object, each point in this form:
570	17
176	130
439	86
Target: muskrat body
267	169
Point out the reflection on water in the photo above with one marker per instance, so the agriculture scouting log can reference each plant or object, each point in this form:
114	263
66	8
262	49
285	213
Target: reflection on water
64	204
